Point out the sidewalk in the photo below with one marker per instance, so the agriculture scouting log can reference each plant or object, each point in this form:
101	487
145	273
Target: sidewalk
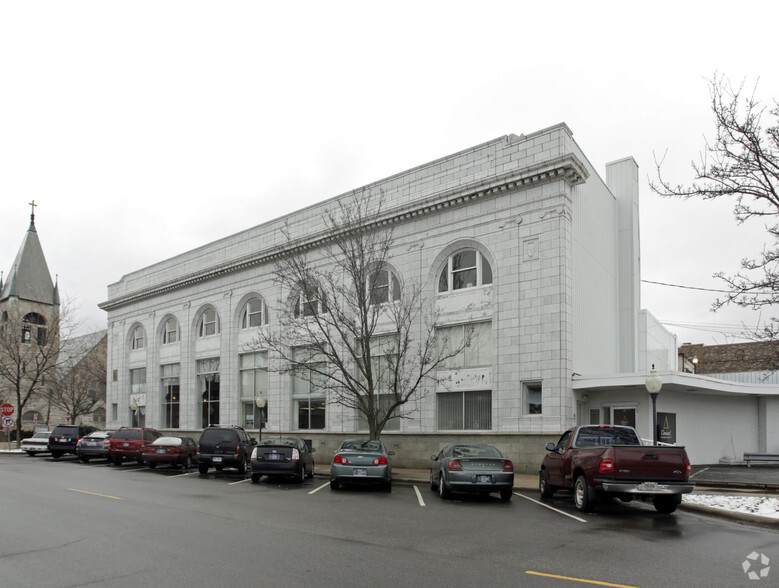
732	477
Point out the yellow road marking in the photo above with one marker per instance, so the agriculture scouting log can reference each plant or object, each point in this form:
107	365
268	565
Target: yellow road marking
580	580
94	494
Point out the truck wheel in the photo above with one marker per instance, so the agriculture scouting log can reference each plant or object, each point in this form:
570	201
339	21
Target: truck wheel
667	504
202	468
544	489
582	495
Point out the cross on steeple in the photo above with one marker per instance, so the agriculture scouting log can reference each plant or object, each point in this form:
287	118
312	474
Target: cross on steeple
32	215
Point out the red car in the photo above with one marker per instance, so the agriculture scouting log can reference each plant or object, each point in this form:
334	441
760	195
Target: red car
176	451
129	443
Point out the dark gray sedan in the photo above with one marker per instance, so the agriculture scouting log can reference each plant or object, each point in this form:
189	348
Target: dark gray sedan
361	461
282	456
94	445
472	467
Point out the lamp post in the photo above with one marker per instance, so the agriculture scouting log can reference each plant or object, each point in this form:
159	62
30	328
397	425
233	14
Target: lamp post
134	408
260	402
653	384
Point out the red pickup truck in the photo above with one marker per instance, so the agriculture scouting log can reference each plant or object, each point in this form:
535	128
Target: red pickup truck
609	461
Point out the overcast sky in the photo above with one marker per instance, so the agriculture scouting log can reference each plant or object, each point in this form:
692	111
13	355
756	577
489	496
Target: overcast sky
145	129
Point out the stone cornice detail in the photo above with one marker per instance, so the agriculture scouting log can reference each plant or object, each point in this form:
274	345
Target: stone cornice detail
567	168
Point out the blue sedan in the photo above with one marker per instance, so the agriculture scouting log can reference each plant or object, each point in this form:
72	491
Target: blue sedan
361	461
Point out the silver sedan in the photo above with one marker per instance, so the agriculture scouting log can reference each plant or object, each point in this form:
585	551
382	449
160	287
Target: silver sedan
472	467
361	461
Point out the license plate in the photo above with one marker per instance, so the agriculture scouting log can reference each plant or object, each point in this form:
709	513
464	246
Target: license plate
91	443
63	439
360	472
125	445
160	451
217	460
484	479
274	457
648	486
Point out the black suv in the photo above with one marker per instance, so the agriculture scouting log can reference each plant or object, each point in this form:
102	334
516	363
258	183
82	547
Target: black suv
224	446
63	438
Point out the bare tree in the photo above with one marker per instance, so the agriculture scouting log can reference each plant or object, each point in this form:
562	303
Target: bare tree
742	164
80	385
348	324
29	351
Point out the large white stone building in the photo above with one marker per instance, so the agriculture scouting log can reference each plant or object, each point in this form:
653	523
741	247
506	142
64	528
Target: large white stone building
519	236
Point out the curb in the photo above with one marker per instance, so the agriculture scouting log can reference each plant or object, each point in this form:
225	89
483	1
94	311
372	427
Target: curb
739	517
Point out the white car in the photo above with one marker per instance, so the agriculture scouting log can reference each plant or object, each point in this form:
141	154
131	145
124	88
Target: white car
38	443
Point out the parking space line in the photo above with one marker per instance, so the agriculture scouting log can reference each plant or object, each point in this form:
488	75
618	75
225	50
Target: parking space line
94	494
419	496
135	470
597	582
240	481
550	507
318	489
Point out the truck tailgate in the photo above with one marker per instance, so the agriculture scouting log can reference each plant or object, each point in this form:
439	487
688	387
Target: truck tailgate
648	463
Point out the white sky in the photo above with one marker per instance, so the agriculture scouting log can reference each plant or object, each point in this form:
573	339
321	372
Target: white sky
145	129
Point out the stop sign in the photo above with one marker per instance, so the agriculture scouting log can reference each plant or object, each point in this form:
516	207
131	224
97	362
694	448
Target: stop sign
6	409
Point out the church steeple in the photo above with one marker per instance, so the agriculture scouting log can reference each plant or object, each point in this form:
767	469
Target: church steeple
29	278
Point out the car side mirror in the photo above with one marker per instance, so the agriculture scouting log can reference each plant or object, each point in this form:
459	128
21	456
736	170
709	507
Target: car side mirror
390	453
551	446
434	457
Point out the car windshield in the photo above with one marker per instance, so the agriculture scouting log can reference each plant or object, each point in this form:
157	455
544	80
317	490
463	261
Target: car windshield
278	443
600	436
360	445
475	451
41	436
129	435
167	441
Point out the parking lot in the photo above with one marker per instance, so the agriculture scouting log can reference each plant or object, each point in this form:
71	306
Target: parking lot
92	523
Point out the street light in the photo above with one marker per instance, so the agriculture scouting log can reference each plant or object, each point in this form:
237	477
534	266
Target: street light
260	402
134	408
653	384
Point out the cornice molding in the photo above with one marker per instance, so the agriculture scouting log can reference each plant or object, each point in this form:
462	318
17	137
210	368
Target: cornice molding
567	168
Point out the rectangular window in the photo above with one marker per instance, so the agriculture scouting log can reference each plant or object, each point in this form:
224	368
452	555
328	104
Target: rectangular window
254	381
207	371
138	381
595	416
384	401
477	353
114	411
465	410
308	393
170	395
532	398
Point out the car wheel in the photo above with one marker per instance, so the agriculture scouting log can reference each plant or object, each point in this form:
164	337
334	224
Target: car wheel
152	464
255	478
31	453
544	489
84	458
118	460
56	455
505	495
202	468
188	462
582	494
242	466
667	504
302	475
443	491
311	471
334	485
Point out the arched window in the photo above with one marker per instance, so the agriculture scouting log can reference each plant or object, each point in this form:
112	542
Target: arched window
170	331
254	314
310	301
384	287
136	342
34	328
466	268
209	323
